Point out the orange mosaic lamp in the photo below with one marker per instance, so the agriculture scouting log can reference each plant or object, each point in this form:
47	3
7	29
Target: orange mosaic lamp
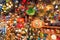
48	7
37	23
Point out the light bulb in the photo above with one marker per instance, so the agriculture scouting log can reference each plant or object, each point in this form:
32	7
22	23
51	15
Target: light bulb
56	6
53	37
5	11
16	1
16	30
26	30
7	7
10	2
6	26
7	4
19	30
15	22
16	6
7	22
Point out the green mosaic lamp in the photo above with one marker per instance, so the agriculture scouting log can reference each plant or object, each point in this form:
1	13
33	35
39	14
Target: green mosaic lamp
30	11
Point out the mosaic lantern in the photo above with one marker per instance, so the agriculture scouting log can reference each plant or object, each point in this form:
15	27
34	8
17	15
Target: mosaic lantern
48	7
30	11
19	25
41	35
53	37
20	20
9	5
37	23
24	1
40	6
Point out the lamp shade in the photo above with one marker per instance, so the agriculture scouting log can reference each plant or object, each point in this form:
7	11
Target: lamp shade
37	23
30	11
21	20
20	25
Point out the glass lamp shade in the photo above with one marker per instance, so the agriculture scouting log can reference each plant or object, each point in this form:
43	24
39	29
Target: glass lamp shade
21	20
37	23
30	11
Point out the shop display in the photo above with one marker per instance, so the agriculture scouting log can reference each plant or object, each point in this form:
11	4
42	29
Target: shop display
30	19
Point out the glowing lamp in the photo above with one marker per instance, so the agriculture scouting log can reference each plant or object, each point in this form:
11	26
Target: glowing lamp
20	25
20	20
48	7
53	37
37	23
30	11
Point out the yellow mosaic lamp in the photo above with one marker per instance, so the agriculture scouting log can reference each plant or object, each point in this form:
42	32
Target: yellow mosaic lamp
4	8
